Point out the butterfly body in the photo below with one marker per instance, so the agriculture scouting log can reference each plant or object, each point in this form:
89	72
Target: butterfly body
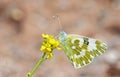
80	50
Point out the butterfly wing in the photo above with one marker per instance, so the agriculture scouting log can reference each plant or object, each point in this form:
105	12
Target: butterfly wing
82	50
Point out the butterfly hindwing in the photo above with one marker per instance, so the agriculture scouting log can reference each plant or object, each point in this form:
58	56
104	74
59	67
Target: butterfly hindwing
82	50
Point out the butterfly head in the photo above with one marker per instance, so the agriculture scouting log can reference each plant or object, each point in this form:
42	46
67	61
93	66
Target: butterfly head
62	36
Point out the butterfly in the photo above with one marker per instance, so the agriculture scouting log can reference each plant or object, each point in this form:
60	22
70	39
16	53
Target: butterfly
80	50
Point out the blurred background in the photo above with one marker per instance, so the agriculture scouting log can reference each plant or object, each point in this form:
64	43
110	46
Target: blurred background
23	21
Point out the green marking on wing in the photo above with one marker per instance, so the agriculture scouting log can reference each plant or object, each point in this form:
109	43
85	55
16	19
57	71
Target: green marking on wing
80	61
74	54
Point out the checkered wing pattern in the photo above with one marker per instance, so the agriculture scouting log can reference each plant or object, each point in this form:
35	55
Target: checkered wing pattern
82	50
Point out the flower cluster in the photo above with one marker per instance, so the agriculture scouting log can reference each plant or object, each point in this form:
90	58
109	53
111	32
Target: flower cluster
48	45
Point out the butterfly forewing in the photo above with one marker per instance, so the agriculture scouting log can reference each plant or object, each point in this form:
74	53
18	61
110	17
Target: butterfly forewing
82	50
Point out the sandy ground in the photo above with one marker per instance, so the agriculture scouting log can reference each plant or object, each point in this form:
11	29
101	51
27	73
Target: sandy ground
23	21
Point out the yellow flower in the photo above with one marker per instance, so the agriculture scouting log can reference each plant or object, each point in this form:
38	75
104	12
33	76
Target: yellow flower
49	56
48	45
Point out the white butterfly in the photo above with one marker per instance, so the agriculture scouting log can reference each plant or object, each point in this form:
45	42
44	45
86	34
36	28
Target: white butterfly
80	50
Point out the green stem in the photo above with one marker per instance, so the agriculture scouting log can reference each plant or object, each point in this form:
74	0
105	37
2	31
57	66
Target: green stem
30	74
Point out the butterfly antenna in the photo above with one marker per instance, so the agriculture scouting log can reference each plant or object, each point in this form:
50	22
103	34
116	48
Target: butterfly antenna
59	22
